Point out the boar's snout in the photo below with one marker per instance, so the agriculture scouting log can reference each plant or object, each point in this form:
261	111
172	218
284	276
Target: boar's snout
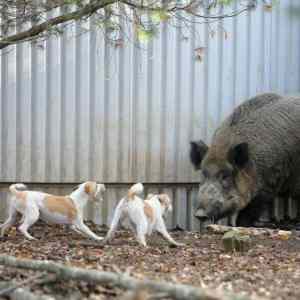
201	215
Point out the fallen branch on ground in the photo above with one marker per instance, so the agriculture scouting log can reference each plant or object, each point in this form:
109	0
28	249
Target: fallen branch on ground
174	291
221	229
23	293
25	282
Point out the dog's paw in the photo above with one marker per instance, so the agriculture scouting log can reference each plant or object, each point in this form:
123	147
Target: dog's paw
106	241
177	245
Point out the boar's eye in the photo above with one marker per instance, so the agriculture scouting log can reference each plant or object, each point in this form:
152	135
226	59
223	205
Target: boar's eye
205	173
226	179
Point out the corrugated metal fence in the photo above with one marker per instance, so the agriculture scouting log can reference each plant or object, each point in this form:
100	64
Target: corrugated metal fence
78	107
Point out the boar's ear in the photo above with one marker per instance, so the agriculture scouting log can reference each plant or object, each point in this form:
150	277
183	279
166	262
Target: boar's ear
238	155
197	151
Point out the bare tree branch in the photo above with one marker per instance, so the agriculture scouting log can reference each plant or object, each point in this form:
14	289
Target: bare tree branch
88	9
174	291
35	15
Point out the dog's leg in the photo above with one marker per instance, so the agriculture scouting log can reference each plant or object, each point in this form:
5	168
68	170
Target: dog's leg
161	228
22	219
10	220
73	227
31	216
114	223
141	231
84	229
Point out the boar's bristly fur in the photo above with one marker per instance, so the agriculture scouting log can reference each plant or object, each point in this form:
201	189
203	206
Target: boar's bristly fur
254	157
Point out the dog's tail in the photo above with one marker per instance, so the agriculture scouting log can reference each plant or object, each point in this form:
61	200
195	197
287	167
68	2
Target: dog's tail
136	189
17	187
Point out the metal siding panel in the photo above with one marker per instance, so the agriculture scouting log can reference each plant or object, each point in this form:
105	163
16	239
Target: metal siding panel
198	115
82	101
168	108
268	38
122	167
48	113
26	112
262	70
195	223
92	100
221	34
234	59
177	97
110	204
136	57
78	89
141	112
191	94
281	46
39	114
113	115
170	192
9	119
4	91
125	98
241	44
52	114
228	68
294	48
19	103
275	47
68	96
204	129
149	110
3	205
255	53
23	109
158	65
184	104
180	208
98	130
289	52
63	96
34	113
106	99
163	98
213	78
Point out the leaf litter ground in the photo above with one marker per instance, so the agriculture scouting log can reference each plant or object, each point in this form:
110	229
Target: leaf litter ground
271	269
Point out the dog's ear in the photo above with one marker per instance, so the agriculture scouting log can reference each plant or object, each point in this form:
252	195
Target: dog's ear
90	187
164	199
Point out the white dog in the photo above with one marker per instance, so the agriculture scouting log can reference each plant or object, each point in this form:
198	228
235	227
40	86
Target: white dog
144	216
54	209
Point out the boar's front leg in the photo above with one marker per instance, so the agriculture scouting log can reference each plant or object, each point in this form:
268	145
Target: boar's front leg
258	212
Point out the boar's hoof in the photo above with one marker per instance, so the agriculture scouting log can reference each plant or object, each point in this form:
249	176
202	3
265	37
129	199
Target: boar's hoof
236	241
264	224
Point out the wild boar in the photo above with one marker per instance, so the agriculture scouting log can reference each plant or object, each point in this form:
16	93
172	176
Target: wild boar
254	157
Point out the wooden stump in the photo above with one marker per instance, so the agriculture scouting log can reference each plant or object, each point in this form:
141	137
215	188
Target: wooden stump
235	241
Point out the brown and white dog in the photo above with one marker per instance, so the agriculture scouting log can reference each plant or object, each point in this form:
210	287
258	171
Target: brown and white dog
54	209
144	216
